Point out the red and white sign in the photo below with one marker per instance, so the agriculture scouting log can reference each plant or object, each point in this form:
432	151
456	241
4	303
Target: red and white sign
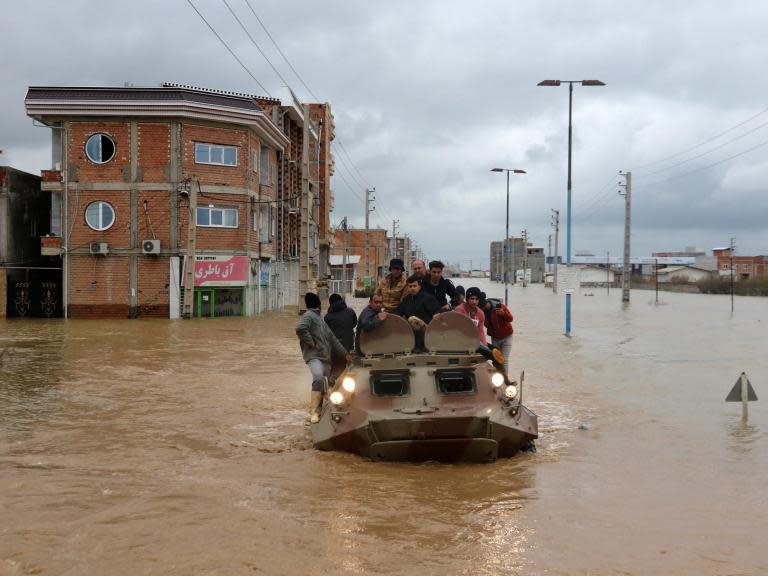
220	270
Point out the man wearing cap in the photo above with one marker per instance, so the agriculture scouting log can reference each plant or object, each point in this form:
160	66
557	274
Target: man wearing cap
441	288
392	286
471	308
318	347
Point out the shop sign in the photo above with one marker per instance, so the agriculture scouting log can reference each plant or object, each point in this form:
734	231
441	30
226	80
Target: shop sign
220	270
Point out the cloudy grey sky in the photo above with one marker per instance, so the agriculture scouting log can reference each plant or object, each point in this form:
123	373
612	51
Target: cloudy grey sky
429	95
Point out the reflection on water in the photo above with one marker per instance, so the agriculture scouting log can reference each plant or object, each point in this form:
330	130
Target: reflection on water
142	447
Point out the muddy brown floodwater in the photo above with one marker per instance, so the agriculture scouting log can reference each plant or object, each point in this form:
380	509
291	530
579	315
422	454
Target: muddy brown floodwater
180	447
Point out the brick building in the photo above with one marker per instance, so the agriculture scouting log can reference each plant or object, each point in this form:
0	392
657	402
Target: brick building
744	267
144	180
374	262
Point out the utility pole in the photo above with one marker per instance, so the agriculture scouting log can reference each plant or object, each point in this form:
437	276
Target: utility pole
345	230
549	252
608	272
525	258
189	271
305	212
626	274
369	198
556	225
731	251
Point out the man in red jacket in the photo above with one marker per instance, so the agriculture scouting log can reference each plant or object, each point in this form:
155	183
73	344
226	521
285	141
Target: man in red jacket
499	326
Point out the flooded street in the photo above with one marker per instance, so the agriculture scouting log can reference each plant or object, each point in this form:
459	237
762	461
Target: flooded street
180	447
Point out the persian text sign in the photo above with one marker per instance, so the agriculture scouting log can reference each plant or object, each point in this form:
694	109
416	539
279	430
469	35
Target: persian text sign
221	270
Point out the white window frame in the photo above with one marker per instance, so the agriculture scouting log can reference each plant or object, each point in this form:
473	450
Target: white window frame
264	172
210	147
100	227
217	209
101	159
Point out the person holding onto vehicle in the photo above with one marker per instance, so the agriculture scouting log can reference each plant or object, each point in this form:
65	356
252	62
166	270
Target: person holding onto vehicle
319	347
342	320
499	323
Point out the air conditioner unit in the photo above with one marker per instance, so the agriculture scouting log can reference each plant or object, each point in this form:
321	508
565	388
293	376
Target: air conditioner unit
150	246
101	248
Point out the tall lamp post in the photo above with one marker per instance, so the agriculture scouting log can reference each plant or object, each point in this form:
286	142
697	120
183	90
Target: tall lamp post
506	234
570	139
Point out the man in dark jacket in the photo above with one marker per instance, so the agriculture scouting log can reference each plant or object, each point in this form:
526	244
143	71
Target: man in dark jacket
371	318
441	288
418	308
342	320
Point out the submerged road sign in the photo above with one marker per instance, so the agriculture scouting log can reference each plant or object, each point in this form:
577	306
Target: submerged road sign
736	395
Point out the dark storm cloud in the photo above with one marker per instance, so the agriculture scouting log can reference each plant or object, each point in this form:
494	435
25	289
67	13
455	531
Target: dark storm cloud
428	96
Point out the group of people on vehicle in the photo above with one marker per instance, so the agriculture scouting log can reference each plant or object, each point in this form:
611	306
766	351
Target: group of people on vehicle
418	298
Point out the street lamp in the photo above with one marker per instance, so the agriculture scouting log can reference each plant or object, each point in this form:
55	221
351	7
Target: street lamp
506	234
568	233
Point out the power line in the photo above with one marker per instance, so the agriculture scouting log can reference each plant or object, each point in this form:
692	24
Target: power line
707	167
274	42
707	141
229	49
341	145
718	147
255	43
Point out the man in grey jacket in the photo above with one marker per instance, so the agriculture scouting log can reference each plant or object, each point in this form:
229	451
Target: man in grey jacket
318	347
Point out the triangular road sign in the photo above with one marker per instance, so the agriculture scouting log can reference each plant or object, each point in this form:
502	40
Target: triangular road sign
735	394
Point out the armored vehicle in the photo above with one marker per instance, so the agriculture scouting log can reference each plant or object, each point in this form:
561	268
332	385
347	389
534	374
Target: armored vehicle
447	400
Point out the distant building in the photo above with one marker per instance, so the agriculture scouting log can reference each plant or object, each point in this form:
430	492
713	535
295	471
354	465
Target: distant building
374	262
744	267
671	274
343	275
515	259
594	276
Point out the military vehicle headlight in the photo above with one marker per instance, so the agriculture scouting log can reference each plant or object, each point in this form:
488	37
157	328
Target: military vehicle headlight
510	391
348	384
337	397
497	379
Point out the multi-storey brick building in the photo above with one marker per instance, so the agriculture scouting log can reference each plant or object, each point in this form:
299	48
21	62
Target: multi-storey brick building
145	179
374	262
743	266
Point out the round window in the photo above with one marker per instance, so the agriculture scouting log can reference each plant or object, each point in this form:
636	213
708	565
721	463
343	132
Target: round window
100	148
99	215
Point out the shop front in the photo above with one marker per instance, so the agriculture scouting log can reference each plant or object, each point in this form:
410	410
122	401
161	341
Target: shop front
220	286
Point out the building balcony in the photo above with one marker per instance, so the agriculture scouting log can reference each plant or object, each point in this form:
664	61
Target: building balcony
50	245
50	180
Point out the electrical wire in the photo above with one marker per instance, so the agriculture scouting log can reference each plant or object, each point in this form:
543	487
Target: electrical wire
276	71
707	141
274	42
702	168
718	147
244	67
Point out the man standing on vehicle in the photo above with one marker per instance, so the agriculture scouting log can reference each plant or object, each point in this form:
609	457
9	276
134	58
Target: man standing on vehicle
319	347
441	288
